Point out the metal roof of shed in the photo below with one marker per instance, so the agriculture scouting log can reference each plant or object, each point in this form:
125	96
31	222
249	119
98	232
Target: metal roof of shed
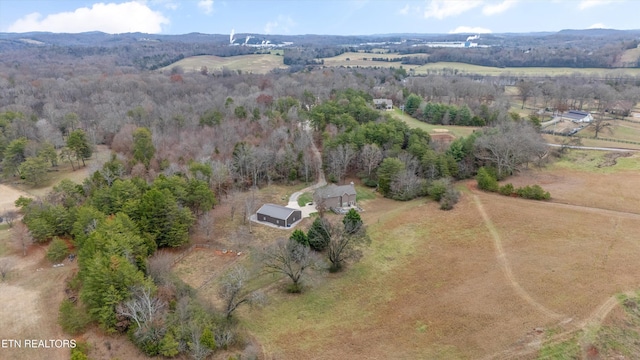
276	211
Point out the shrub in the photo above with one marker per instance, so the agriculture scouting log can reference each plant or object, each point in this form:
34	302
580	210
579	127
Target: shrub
369	182
437	188
58	250
507	189
449	199
486	180
534	192
300	237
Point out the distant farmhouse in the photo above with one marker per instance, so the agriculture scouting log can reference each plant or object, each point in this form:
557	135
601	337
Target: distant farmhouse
383	104
577	116
334	196
278	215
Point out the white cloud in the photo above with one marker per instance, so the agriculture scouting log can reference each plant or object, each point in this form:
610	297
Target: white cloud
441	9
110	18
281	26
206	6
492	9
169	4
585	4
598	26
470	30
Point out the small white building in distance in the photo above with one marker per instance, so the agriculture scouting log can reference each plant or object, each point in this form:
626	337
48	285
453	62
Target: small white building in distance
576	116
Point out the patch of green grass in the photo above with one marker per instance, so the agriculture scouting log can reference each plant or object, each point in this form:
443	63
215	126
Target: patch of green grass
307	313
457	131
365	193
305	198
565	350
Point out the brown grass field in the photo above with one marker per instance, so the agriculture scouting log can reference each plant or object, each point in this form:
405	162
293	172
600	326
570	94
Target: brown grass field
495	278
358	59
257	64
462	68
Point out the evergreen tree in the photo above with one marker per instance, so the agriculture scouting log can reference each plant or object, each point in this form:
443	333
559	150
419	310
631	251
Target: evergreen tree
143	149
14	156
352	221
79	145
319	234
300	237
34	170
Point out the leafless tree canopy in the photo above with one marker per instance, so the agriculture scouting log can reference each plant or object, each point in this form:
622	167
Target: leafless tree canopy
339	160
22	238
143	308
233	290
9	216
509	145
6	265
289	258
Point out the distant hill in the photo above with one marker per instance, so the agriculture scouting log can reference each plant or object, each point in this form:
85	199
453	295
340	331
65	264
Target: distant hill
599	48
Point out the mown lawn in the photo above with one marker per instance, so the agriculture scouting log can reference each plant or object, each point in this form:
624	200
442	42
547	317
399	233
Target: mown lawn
457	131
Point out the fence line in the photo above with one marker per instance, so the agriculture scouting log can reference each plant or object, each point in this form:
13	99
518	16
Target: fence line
189	250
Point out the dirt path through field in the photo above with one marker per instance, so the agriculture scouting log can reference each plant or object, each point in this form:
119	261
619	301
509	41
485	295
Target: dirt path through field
504	263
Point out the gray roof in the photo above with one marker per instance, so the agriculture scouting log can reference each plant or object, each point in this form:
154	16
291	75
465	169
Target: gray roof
575	114
276	211
334	191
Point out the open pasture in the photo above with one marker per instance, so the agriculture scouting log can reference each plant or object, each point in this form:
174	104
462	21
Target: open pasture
257	64
462	68
364	60
457	131
493	278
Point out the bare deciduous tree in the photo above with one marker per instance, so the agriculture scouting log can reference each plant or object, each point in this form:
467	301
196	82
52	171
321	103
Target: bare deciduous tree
9	216
371	156
6	265
22	238
599	124
291	259
339	159
233	291
509	145
205	223
143	308
345	243
160	266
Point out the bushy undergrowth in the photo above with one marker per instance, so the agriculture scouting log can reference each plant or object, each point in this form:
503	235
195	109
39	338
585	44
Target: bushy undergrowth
487	181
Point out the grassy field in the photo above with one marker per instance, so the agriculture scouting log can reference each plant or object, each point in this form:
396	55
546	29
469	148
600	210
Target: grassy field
364	60
457	131
474	282
462	68
630	56
496	277
257	64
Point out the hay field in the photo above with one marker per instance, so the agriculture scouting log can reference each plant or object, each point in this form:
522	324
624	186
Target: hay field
257	64
462	68
358	59
496	277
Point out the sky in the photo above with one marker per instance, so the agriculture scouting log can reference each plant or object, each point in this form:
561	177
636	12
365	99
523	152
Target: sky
322	17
